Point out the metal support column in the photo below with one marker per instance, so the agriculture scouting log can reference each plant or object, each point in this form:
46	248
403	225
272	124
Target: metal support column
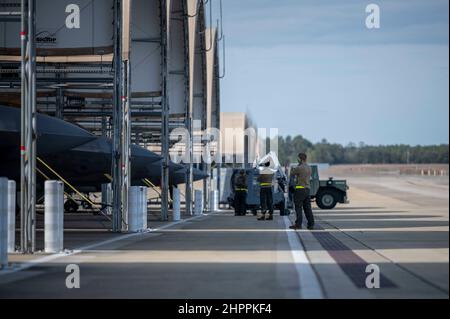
125	26
188	124
189	171
121	115
59	106
165	111
117	123
59	103
28	128
207	184
104	127
126	142
206	158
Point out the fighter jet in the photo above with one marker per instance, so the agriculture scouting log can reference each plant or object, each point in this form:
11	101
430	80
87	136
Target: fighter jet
67	151
89	166
177	174
53	136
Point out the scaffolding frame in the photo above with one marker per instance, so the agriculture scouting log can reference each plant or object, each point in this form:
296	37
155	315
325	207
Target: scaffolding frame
70	90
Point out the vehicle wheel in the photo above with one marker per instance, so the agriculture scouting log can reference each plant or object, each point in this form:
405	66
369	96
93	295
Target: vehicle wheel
326	199
70	206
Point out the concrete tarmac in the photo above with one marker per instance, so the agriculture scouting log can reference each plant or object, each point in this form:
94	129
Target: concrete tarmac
391	223
399	223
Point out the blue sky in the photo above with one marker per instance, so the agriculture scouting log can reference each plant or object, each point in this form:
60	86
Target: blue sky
311	67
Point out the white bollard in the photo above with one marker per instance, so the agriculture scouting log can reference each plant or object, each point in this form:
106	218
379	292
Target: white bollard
214	201
144	197
198	203
11	216
3	223
54	217
135	210
176	205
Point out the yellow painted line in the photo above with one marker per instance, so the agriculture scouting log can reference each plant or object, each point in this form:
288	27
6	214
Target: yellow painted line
66	182
152	186
48	178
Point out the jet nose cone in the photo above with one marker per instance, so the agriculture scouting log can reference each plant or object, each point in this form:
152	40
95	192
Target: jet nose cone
53	135
199	175
144	155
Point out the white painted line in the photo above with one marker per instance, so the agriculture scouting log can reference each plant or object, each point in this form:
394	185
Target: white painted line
307	279
32	263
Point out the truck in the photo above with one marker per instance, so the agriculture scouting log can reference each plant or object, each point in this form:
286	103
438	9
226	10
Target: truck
326	193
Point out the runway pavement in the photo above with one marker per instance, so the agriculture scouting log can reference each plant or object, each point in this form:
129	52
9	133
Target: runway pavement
390	223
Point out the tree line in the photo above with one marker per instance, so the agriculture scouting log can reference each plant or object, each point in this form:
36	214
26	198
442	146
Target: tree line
334	154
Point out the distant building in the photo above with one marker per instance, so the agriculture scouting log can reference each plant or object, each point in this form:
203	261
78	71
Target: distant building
240	143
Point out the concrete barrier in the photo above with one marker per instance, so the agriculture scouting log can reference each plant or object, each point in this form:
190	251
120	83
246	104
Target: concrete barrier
3	222
198	210
137	209
214	201
176	205
12	216
134	210
54	217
